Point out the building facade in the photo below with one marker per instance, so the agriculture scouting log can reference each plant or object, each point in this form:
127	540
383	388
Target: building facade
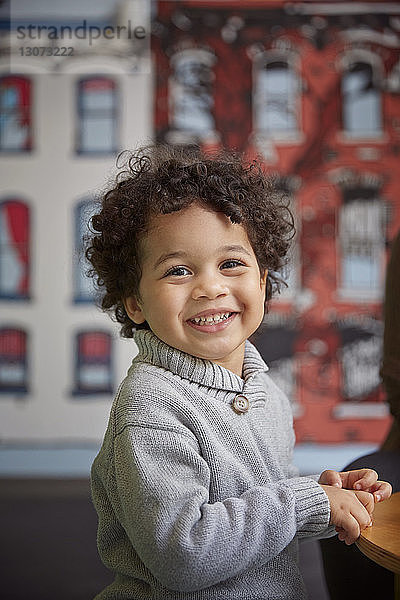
314	89
65	116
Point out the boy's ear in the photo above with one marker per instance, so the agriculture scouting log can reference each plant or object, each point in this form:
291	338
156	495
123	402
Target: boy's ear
264	278
134	311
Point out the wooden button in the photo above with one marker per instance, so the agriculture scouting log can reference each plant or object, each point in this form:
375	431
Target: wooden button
240	404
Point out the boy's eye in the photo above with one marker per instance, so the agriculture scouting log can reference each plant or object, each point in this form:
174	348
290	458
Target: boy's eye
178	272
231	264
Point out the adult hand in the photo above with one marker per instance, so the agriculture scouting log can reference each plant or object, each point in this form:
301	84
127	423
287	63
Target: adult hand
365	480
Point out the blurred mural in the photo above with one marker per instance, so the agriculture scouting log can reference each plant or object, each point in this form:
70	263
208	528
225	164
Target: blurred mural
311	87
75	90
314	88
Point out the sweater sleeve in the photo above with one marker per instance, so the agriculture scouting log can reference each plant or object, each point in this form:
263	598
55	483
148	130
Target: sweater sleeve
187	542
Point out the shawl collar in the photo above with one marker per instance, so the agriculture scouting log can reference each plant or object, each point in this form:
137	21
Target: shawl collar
205	372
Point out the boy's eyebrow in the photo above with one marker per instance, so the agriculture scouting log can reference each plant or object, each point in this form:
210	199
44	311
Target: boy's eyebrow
235	248
165	257
181	254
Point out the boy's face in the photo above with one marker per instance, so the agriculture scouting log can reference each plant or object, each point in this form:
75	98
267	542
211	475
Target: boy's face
201	290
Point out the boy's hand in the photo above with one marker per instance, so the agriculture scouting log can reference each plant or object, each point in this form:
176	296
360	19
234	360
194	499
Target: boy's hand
350	511
361	479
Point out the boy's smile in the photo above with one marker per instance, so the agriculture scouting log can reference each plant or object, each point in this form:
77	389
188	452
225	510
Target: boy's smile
201	290
211	321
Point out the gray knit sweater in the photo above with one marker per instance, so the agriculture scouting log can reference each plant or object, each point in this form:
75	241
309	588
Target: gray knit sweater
195	500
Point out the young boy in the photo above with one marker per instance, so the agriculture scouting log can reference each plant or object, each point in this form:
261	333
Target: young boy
194	485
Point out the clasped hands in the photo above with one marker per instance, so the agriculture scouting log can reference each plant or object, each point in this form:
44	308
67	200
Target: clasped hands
352	496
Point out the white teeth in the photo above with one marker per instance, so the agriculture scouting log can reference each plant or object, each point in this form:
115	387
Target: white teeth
211	319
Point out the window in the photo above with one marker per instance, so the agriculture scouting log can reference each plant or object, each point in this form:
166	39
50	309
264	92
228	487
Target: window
14	250
362	239
276	346
360	358
13	360
15	114
276	99
362	112
97	106
93	372
84	290
190	93
290	274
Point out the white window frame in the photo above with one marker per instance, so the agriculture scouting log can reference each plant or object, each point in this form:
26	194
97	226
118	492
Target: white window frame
80	264
344	64
177	90
345	291
82	115
266	140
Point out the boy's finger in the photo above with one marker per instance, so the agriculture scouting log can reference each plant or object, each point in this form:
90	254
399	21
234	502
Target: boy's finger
330	477
367	500
381	491
350	530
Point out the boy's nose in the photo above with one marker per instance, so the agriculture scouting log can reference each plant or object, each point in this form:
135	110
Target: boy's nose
210	288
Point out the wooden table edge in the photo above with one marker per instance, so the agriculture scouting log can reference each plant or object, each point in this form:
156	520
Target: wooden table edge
389	560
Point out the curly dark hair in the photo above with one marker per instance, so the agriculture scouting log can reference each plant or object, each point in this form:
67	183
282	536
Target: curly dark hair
161	179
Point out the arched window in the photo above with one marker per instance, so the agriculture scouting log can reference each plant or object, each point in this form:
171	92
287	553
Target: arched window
84	290
93	368
362	241
14	249
276	99
190	93
362	111
97	109
13	361
15	114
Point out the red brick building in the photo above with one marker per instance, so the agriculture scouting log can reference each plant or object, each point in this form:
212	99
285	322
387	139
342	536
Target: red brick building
314	88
